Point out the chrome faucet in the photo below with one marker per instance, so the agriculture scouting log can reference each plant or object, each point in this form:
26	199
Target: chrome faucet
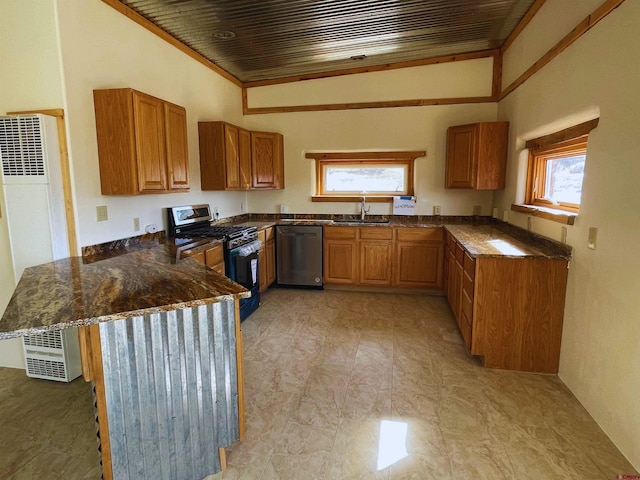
363	208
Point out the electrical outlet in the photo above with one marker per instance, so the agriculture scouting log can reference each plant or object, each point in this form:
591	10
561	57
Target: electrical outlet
495	212
283	208
436	209
242	207
477	209
101	213
505	215
593	238
529	223
563	234
136	224
216	214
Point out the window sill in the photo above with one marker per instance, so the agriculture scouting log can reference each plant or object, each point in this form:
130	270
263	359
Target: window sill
560	216
327	198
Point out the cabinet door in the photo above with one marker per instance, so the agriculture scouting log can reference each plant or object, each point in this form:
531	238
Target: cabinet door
244	157
375	262
461	156
271	261
340	261
214	257
262	268
266	160
175	118
231	157
148	113
419	264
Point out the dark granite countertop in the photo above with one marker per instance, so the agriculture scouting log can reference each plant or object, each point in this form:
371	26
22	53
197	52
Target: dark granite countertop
501	241
481	236
140	279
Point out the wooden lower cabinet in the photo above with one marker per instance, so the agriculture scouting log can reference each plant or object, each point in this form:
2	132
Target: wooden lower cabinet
418	257
340	255
212	257
383	256
376	255
266	258
509	309
271	261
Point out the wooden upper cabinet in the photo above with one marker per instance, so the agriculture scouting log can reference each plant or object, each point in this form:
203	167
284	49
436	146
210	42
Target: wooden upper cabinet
175	118
267	160
219	156
244	157
477	156
232	158
142	143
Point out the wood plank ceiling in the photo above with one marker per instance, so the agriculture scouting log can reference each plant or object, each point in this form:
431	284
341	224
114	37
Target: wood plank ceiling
257	40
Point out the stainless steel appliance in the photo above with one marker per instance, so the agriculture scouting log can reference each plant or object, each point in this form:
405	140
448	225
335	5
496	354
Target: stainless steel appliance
299	255
241	247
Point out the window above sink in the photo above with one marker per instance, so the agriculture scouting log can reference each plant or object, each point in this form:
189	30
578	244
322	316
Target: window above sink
349	176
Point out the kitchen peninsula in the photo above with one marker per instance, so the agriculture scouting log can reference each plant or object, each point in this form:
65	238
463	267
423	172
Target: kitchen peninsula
161	343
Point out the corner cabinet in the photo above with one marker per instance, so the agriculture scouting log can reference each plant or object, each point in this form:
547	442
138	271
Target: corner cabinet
225	156
142	143
477	156
232	158
267	160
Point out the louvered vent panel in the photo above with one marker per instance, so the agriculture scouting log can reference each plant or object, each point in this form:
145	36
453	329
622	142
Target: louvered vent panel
47	340
21	146
46	368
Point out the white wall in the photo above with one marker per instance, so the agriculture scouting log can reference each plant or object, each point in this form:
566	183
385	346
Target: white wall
101	48
470	78
415	128
600	358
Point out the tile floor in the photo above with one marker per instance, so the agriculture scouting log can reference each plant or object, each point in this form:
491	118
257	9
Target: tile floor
325	371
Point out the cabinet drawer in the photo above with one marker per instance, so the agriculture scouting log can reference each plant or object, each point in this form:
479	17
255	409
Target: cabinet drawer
376	233
340	232
459	254
213	256
419	234
470	265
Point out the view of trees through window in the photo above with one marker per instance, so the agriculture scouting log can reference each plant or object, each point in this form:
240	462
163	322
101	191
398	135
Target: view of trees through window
564	179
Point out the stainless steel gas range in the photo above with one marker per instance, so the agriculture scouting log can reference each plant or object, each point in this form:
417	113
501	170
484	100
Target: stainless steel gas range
240	243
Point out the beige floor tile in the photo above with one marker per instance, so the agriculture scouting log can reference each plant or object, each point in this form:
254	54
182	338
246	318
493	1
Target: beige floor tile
323	370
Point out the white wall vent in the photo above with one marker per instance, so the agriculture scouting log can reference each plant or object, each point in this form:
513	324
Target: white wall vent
21	146
53	355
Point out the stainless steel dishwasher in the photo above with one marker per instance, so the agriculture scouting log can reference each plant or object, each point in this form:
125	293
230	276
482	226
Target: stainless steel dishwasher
299	255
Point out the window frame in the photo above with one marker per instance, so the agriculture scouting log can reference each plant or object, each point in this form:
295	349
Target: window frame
405	159
537	172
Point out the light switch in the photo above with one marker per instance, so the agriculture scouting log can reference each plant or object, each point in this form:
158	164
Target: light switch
136	224
563	234
593	238
436	209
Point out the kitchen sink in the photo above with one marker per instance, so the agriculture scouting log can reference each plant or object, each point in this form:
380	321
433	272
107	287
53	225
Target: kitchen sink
357	220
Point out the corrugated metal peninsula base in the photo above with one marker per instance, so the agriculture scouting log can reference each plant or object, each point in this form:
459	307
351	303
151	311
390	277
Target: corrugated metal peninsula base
171	391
